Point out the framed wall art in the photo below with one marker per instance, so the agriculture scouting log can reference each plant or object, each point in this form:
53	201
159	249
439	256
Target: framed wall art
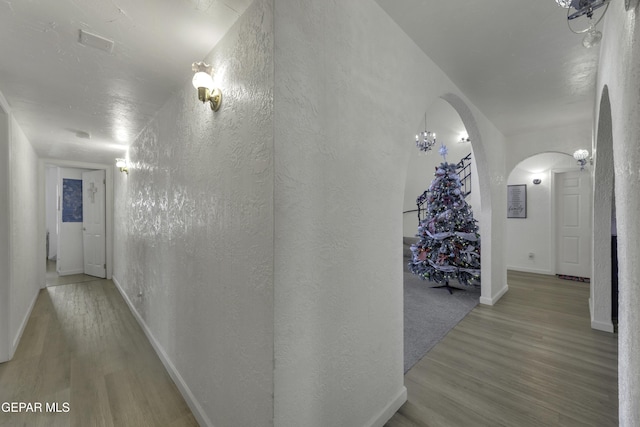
517	201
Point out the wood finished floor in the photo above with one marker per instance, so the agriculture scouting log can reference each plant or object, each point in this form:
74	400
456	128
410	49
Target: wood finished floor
530	360
83	346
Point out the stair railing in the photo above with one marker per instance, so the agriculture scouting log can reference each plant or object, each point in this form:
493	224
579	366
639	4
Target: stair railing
464	172
463	168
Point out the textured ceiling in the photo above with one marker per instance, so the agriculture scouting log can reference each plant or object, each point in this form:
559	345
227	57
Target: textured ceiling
516	61
59	89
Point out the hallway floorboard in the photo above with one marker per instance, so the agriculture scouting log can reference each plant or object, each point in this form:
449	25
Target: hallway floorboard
530	360
83	347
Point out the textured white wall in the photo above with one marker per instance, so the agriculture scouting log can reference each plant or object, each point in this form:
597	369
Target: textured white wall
531	234
619	70
51	209
27	256
5	277
562	139
600	300
194	230
350	87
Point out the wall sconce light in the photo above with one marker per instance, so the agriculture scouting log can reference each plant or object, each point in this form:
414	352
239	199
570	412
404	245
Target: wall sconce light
122	164
464	138
581	156
204	83
537	181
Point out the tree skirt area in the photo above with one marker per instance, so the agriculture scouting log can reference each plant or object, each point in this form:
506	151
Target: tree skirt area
429	314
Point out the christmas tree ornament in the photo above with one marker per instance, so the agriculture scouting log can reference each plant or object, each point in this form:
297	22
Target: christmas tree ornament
449	242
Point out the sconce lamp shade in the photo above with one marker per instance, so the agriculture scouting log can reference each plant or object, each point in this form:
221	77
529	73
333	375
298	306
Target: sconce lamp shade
202	79
581	154
203	82
122	164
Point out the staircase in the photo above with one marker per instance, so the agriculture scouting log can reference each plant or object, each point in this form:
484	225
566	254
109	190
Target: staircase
463	168
464	172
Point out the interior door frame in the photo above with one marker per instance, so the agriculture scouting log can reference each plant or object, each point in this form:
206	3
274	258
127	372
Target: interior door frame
108	204
553	212
87	213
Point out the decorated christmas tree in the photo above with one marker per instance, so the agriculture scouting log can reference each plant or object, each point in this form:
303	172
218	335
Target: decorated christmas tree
449	243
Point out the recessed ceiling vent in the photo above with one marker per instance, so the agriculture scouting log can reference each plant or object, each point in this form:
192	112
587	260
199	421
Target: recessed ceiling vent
82	134
96	41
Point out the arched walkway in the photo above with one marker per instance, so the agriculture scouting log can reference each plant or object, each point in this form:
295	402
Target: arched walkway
600	298
492	289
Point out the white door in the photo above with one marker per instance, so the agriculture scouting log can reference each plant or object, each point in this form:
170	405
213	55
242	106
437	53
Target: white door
573	223
93	223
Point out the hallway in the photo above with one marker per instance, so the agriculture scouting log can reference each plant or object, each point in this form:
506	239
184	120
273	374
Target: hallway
530	360
82	346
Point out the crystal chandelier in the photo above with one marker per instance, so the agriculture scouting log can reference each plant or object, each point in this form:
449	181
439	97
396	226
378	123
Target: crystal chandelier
578	8
425	140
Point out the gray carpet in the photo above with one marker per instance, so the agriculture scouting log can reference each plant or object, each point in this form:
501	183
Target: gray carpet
430	313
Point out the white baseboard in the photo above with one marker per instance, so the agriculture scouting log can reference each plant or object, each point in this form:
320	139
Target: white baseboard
598	325
23	325
70	272
387	412
188	396
530	270
494	299
602	326
379	420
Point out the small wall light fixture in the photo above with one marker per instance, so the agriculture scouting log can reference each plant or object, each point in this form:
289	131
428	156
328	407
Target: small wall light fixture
122	164
464	138
203	81
537	181
581	156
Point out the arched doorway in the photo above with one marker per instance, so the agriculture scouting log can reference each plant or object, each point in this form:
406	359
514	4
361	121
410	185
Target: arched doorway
533	238
493	279
602	298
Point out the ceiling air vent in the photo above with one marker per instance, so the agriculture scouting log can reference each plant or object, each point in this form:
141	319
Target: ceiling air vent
96	41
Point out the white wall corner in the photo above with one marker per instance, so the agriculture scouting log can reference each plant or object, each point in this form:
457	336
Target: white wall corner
186	393
599	324
602	326
494	299
380	419
23	325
